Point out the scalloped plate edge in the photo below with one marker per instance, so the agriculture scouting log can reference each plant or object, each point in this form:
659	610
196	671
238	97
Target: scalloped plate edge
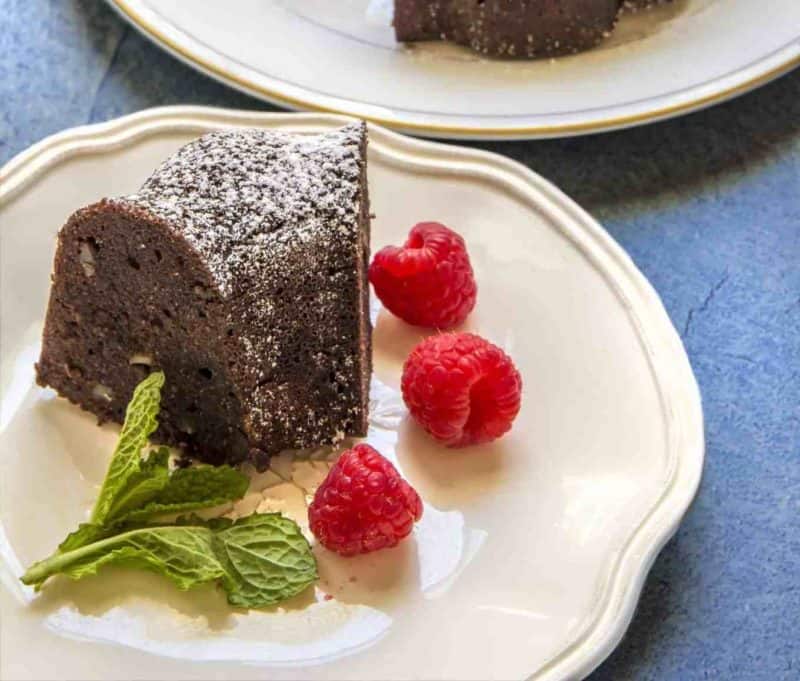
616	603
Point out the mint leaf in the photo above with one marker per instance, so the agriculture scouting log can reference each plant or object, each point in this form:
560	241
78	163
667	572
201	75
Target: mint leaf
85	534
183	554
140	422
190	489
260	560
142	486
266	559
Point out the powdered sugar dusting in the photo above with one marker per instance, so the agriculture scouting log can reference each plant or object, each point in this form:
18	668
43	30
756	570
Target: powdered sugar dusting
232	193
513	29
280	222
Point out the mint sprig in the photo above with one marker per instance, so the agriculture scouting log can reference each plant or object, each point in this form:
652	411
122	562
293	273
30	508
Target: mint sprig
259	560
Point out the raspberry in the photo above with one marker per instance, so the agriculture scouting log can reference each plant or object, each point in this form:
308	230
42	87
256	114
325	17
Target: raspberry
363	505
428	281
461	389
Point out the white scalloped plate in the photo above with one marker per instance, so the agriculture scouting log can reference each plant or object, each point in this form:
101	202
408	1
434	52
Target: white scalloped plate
342	57
532	552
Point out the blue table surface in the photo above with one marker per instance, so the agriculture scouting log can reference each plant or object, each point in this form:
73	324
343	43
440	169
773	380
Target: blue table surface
707	205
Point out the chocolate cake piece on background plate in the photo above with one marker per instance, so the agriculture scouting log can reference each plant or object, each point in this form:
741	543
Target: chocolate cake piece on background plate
510	28
239	269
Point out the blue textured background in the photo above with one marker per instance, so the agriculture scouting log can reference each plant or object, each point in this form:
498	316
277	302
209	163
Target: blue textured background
709	208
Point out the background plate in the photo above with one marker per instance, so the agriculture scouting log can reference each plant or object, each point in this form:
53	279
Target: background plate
531	553
341	56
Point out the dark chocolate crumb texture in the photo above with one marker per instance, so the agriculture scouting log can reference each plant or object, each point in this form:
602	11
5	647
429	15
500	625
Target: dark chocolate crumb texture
511	28
239	269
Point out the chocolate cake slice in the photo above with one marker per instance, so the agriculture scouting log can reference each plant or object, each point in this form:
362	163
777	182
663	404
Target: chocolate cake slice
239	269
508	28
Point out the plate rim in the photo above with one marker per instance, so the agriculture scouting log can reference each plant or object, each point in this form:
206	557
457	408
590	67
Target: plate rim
621	589
722	88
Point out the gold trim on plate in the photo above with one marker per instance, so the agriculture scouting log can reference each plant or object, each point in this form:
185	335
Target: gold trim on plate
252	87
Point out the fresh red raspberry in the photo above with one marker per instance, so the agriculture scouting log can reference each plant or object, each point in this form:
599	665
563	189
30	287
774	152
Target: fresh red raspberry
461	389
363	505
428	281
